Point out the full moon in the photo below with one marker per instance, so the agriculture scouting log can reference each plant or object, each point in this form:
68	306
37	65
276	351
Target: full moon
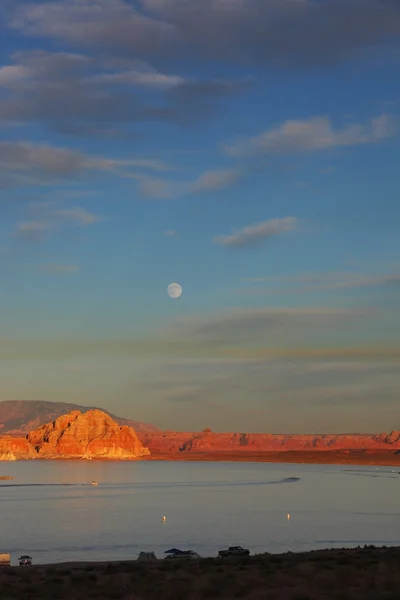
174	290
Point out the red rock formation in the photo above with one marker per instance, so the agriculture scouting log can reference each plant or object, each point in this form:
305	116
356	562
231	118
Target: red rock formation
94	434
16	448
209	442
86	435
19	417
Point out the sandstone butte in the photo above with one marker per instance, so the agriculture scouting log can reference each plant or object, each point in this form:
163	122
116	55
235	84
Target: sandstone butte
20	417
76	435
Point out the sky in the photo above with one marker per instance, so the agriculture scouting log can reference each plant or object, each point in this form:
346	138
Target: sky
245	149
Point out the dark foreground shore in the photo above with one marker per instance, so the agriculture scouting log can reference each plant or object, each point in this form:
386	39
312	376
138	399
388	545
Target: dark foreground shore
352	457
347	574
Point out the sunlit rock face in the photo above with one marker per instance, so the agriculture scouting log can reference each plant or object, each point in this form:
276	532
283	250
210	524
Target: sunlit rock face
20	417
172	442
16	448
90	435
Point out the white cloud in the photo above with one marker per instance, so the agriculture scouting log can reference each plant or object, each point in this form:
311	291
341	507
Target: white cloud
208	181
256	233
143	75
215	180
313	134
10	75
19	159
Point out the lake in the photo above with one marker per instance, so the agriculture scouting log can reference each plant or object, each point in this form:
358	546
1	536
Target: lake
208	506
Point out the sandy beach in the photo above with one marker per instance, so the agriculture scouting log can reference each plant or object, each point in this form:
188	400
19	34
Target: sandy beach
366	573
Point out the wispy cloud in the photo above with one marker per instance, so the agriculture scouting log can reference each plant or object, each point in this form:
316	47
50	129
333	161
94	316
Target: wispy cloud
141	75
78	369
254	234
51	164
77	215
289	33
45	218
60	269
314	134
209	181
59	90
255	322
33	231
161	348
323	282
284	394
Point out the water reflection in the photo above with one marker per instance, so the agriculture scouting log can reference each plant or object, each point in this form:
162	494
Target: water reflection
208	505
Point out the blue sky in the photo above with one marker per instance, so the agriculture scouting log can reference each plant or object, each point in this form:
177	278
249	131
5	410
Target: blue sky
249	151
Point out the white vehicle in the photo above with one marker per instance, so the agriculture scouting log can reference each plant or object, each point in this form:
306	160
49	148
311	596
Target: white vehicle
147	557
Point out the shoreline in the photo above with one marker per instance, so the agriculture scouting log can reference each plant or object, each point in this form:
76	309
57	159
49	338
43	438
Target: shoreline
322	457
79	564
378	459
363	573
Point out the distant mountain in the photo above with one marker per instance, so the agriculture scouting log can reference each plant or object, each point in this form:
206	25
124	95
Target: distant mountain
19	417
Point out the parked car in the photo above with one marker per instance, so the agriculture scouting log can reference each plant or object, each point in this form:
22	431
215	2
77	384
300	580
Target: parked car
25	561
234	551
183	555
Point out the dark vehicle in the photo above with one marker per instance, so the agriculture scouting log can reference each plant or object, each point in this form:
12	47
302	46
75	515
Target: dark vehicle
25	561
234	551
182	554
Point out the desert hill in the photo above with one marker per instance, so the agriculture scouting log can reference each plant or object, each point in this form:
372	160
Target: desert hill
19	417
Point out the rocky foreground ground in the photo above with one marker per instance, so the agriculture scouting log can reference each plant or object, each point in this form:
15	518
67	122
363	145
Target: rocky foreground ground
357	574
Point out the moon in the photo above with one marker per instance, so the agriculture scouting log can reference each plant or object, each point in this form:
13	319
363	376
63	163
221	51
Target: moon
174	290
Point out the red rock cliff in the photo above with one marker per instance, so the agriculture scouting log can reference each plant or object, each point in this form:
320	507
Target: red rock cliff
90	435
16	449
94	434
171	442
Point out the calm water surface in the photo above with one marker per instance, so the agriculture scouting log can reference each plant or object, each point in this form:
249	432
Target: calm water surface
208	506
